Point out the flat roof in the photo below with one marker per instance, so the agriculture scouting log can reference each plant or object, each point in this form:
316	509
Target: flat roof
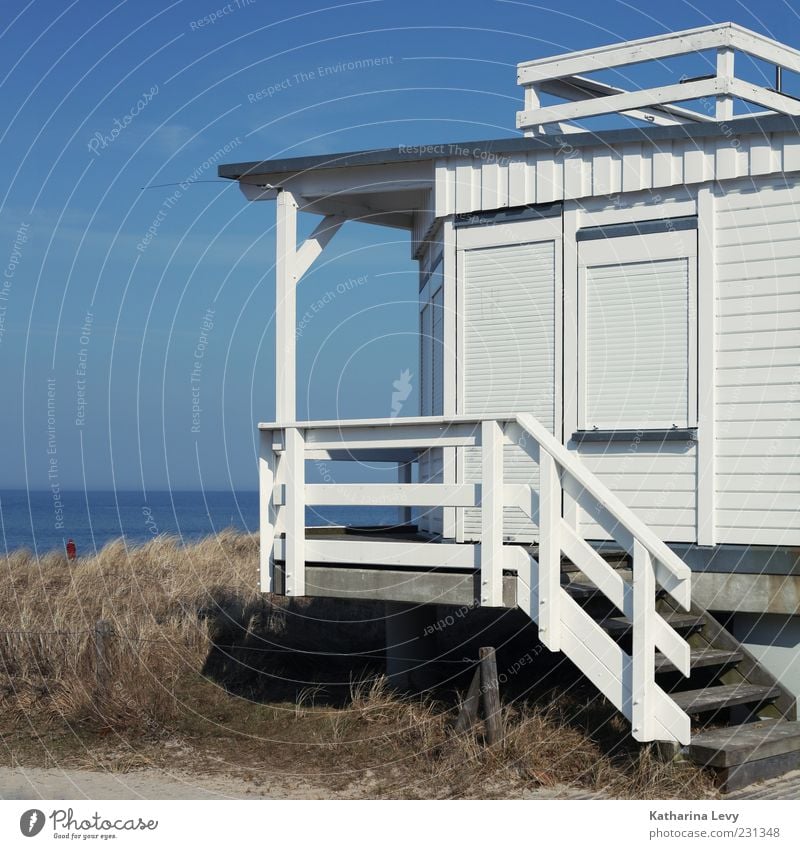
521	144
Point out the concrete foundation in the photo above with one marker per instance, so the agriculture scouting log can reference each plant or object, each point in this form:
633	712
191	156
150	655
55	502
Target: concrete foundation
411	645
775	641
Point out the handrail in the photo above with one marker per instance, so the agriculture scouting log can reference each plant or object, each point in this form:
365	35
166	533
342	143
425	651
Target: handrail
601	493
627	679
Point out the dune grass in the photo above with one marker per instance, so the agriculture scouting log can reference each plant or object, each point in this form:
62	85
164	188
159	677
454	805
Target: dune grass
199	656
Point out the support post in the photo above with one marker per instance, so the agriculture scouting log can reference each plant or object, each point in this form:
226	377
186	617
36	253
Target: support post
285	308
491	514
267	511
469	710
643	655
725	60
490	693
549	552
295	509
103	631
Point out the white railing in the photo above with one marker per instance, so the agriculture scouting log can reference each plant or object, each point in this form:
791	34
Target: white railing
627	679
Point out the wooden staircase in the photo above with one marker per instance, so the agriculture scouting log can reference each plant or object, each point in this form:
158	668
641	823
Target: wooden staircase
630	627
744	724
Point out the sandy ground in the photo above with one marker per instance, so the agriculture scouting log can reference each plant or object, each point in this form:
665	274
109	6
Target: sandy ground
24	783
29	783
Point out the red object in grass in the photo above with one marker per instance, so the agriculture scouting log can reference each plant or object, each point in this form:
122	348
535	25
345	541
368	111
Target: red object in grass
72	550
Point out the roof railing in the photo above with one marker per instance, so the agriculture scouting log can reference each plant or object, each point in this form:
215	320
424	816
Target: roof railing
564	77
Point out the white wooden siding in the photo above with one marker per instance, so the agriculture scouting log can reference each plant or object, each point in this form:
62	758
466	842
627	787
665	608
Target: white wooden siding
465	184
758	362
508	353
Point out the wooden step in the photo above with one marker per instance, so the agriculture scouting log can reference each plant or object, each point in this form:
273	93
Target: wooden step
744	754
701	658
619	625
727	695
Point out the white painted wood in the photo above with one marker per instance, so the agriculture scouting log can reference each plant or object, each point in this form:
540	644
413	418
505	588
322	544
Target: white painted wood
583	88
491	501
643	638
391	495
758	337
550	592
295	533
315	244
764	97
596	569
706	366
625	53
409	554
725	68
285	307
625	519
572	217
449	367
266	480
628	101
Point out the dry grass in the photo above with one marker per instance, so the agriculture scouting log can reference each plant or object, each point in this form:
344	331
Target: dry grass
173	607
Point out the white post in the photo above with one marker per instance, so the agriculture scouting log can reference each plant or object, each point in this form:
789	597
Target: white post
295	509
725	60
266	485
643	656
549	552
285	308
492	514
404	476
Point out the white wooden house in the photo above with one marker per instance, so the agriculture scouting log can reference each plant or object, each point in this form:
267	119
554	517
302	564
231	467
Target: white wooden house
609	359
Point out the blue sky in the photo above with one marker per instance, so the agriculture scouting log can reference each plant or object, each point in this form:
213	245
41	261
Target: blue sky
101	324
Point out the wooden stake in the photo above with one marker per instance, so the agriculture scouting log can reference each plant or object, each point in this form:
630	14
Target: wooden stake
102	637
469	710
490	691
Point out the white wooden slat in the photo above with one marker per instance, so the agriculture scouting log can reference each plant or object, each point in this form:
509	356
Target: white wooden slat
629	100
550	592
266	524
388	494
672	721
294	464
596	654
411	554
786	500
755	534
315	244
630	52
706	364
643	643
491	544
597	570
671	644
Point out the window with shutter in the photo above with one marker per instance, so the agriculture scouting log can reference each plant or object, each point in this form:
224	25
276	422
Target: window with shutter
637	331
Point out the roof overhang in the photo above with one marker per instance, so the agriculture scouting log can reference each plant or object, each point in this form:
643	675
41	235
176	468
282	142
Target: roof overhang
388	185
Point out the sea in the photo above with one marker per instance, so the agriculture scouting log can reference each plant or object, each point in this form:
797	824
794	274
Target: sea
44	521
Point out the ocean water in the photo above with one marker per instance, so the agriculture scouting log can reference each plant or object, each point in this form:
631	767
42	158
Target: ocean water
41	522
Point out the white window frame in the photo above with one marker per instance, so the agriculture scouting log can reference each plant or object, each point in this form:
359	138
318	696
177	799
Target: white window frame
622	250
